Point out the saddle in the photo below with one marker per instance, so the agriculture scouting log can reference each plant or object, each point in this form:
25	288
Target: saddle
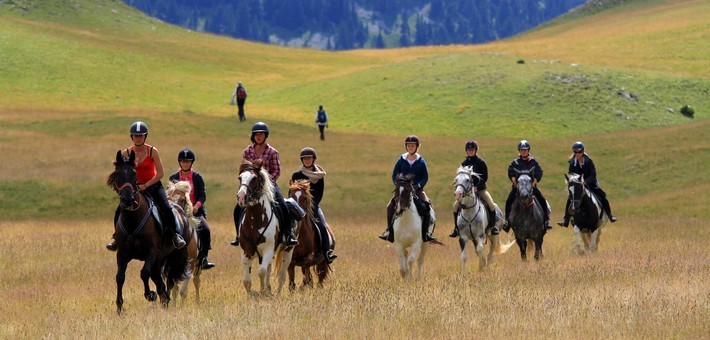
423	207
158	219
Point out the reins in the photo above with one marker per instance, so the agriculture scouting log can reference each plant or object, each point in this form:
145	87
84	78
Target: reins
140	225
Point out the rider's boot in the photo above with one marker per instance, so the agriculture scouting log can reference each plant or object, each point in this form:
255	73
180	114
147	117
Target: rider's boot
236	214
607	207
388	234
506	226
455	232
564	222
330	255
547	224
492	223
205	263
111	245
426	233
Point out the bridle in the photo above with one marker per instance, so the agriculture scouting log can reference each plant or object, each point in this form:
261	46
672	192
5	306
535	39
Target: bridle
253	194
467	191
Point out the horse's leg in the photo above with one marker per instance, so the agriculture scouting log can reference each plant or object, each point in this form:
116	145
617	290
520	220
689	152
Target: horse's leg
160	287
594	241
463	245
264	269
322	270
292	276
196	282
420	260
599	236
495	244
522	243
120	279
145	276
402	256
246	273
307	276
578	240
587	237
285	262
479	251
538	247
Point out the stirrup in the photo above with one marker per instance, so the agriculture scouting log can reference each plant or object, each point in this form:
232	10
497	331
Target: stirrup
235	242
454	233
178	241
612	218
429	237
206	264
112	246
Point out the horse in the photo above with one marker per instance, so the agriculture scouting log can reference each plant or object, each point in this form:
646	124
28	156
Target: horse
526	216
259	230
588	216
138	237
473	218
407	226
177	195
308	252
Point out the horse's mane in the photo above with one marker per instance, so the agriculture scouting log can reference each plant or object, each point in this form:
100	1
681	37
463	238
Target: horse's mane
185	188
575	178
304	184
469	171
256	165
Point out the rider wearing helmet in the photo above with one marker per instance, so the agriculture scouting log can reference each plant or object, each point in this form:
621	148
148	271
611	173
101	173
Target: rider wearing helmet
411	162
197	196
149	171
478	165
259	149
315	174
580	163
526	162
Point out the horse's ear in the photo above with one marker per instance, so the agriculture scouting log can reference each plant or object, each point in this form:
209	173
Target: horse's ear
132	157
290	182
119	157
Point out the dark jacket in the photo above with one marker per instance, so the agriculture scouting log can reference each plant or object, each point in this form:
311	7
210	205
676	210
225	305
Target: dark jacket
587	170
316	188
418	168
479	166
198	187
523	165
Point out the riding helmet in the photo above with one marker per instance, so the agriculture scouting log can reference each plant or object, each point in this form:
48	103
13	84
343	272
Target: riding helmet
307	151
578	146
411	139
139	129
186	155
471	144
523	145
259	127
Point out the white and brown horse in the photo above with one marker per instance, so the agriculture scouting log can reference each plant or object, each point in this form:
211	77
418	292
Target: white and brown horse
178	194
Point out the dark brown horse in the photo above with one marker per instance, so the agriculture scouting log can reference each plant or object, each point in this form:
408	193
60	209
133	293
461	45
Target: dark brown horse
308	252
139	237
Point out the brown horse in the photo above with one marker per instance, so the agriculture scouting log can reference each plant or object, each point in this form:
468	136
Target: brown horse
259	229
308	252
138	238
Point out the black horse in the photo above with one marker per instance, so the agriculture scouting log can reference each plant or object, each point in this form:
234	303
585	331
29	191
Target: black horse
587	213
139	237
526	216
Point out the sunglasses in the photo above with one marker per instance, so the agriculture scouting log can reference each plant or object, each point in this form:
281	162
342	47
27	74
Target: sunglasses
579	152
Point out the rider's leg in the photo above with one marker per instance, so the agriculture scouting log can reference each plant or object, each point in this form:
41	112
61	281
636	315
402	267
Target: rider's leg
543	205
325	237
111	245
491	208
508	206
237	214
388	234
288	223
605	203
427	230
205	235
166	213
455	232
564	222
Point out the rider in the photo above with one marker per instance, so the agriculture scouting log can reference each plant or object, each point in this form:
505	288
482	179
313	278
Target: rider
197	196
478	166
526	162
259	149
316	175
580	163
149	171
411	162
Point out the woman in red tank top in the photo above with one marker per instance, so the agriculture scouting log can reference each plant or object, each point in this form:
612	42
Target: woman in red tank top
149	171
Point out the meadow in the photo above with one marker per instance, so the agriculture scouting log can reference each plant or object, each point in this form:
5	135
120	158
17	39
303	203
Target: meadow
77	73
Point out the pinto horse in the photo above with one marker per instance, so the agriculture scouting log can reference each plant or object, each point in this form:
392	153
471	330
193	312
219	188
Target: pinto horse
259	230
588	216
138	237
177	195
526	216
473	218
308	252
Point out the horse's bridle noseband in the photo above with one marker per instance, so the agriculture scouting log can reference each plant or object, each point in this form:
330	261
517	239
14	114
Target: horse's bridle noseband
134	191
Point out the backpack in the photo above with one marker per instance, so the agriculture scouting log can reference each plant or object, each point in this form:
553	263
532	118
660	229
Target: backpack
241	93
322	117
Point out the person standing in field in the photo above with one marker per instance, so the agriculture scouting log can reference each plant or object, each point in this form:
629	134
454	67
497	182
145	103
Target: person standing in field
321	121
149	171
197	196
240	94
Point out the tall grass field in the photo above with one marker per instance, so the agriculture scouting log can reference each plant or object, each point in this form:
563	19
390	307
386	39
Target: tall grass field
75	74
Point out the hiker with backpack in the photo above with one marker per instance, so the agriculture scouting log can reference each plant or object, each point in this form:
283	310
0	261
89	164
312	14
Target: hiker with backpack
240	93
321	121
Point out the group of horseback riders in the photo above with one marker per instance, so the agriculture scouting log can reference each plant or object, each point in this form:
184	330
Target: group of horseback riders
412	163
149	172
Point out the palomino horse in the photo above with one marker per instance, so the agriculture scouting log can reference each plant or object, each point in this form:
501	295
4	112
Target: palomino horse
526	216
308	252
407	226
473	218
258	234
138	237
177	195
587	214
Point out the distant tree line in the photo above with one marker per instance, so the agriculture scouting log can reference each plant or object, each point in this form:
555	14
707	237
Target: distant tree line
349	24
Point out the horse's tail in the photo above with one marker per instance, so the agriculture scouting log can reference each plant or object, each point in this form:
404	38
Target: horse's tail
177	266
499	248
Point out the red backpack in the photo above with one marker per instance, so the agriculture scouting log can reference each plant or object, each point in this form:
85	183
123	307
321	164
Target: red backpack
241	93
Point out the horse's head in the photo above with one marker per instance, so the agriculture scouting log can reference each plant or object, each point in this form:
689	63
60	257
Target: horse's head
464	183
300	191
403	192
575	186
525	187
178	194
123	179
254	183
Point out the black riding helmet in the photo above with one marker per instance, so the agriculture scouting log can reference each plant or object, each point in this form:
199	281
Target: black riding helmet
307	151
471	144
578	146
186	155
259	127
411	139
139	129
523	145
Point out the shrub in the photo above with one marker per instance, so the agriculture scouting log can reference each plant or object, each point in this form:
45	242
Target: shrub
687	111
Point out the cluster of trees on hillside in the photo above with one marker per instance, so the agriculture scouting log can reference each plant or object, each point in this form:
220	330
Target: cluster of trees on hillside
348	24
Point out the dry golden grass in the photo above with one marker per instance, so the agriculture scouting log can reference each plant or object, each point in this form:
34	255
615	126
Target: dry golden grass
647	281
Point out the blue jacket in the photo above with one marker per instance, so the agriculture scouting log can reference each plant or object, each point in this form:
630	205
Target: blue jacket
418	168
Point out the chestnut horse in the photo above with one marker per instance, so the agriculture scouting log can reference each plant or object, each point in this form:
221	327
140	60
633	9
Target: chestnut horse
308	252
138	237
259	230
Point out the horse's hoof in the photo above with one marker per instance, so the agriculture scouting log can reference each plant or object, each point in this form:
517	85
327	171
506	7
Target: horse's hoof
151	296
